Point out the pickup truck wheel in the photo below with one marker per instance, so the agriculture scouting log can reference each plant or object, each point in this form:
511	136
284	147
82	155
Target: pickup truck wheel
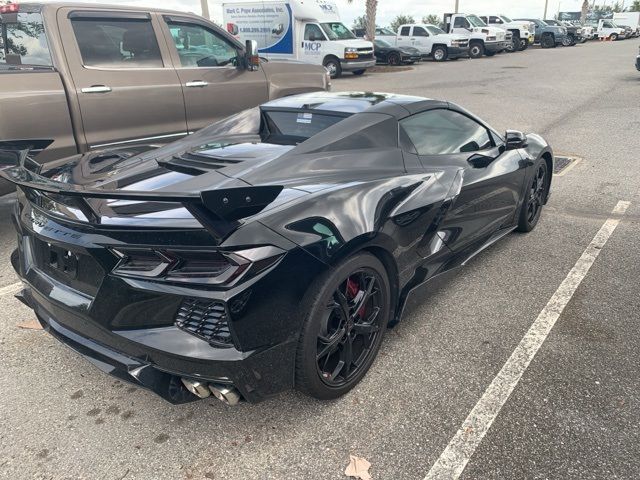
515	45
439	53
613	37
394	59
524	44
568	41
358	72
476	50
547	41
332	64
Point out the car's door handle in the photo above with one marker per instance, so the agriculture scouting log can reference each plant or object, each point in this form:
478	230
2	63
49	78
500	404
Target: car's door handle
96	89
196	84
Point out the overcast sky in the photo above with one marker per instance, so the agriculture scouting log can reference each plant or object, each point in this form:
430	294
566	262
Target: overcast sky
388	9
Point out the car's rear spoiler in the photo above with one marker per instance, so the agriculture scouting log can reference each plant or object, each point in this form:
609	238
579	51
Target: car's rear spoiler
230	204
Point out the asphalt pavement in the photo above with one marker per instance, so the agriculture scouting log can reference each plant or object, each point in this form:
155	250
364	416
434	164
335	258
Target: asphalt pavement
574	412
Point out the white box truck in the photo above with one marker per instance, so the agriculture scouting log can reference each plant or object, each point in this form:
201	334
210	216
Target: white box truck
306	30
628	19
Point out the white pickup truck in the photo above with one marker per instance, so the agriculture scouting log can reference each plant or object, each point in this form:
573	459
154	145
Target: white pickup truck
610	30
430	40
523	32
483	39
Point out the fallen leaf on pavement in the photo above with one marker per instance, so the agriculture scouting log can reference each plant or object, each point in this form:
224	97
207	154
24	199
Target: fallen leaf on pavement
30	325
358	468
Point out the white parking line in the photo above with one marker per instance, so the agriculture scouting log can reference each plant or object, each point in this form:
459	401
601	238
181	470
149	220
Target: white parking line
10	289
454	458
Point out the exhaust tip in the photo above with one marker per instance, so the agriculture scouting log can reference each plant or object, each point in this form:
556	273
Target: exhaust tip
199	389
226	394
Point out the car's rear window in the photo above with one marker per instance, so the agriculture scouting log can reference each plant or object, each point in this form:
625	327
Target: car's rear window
296	126
23	42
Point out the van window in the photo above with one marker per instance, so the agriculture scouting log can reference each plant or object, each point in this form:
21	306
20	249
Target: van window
420	32
200	47
125	43
442	132
23	41
313	33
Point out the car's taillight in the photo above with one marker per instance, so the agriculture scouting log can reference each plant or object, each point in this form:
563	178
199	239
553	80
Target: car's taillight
11	8
195	266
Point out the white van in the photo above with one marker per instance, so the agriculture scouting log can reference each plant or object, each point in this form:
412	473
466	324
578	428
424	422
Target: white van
305	30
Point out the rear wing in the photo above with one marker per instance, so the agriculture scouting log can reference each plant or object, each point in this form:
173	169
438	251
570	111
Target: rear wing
228	204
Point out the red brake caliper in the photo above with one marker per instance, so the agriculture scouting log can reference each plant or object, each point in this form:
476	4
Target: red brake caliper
352	290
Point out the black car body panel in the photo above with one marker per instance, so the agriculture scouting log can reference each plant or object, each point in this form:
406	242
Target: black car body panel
197	259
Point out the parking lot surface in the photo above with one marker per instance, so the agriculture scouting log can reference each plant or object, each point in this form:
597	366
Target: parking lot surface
574	412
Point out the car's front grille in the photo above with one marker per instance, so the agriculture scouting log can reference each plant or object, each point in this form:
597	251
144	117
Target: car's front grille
365	54
206	319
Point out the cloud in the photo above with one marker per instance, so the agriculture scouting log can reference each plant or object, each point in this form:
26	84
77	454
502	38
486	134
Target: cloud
388	10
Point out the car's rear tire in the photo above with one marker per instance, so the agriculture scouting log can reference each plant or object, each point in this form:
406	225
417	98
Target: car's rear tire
333	65
567	41
394	59
476	50
343	330
547	41
440	53
535	197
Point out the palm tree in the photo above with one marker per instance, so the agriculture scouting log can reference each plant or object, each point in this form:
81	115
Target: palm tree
371	6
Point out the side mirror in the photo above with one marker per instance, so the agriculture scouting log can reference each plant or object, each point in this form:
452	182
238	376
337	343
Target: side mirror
252	59
515	139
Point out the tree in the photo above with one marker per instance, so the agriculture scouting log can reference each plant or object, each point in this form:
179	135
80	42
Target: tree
371	7
432	20
617	7
360	22
584	12
635	6
401	20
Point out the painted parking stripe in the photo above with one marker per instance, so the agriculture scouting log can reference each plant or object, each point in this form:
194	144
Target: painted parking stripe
10	289
454	458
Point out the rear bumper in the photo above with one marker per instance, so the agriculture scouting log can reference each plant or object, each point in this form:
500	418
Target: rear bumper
351	65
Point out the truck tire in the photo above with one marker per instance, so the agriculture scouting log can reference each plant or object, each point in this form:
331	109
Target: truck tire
440	53
333	65
613	37
547	41
516	44
524	45
476	50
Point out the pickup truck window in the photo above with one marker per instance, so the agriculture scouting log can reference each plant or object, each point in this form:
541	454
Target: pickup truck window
23	41
420	32
435	30
404	31
121	43
443	132
461	22
200	47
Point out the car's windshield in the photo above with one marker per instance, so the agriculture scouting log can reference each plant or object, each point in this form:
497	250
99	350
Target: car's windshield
295	126
505	19
382	43
434	30
336	31
475	21
23	43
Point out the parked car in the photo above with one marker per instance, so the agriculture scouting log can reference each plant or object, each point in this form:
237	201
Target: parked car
483	40
430	41
522	32
271	249
99	77
548	36
574	33
387	53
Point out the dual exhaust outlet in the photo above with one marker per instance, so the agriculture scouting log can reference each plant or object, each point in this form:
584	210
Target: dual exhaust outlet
225	393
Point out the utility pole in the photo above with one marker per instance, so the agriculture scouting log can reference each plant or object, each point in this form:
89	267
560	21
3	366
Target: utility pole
457	5
546	6
205	9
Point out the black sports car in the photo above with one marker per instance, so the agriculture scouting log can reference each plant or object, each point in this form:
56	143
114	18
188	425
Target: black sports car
270	250
387	53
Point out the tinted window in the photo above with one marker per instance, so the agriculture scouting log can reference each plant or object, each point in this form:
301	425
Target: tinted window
297	125
200	47
22	41
460	22
121	43
439	132
493	20
420	32
404	31
313	32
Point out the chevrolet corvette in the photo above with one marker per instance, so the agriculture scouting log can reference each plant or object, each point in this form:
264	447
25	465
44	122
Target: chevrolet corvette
270	250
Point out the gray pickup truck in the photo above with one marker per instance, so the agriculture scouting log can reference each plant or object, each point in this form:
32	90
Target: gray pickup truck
88	77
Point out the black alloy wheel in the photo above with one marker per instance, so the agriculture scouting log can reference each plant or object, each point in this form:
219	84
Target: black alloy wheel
343	332
547	41
533	203
394	59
